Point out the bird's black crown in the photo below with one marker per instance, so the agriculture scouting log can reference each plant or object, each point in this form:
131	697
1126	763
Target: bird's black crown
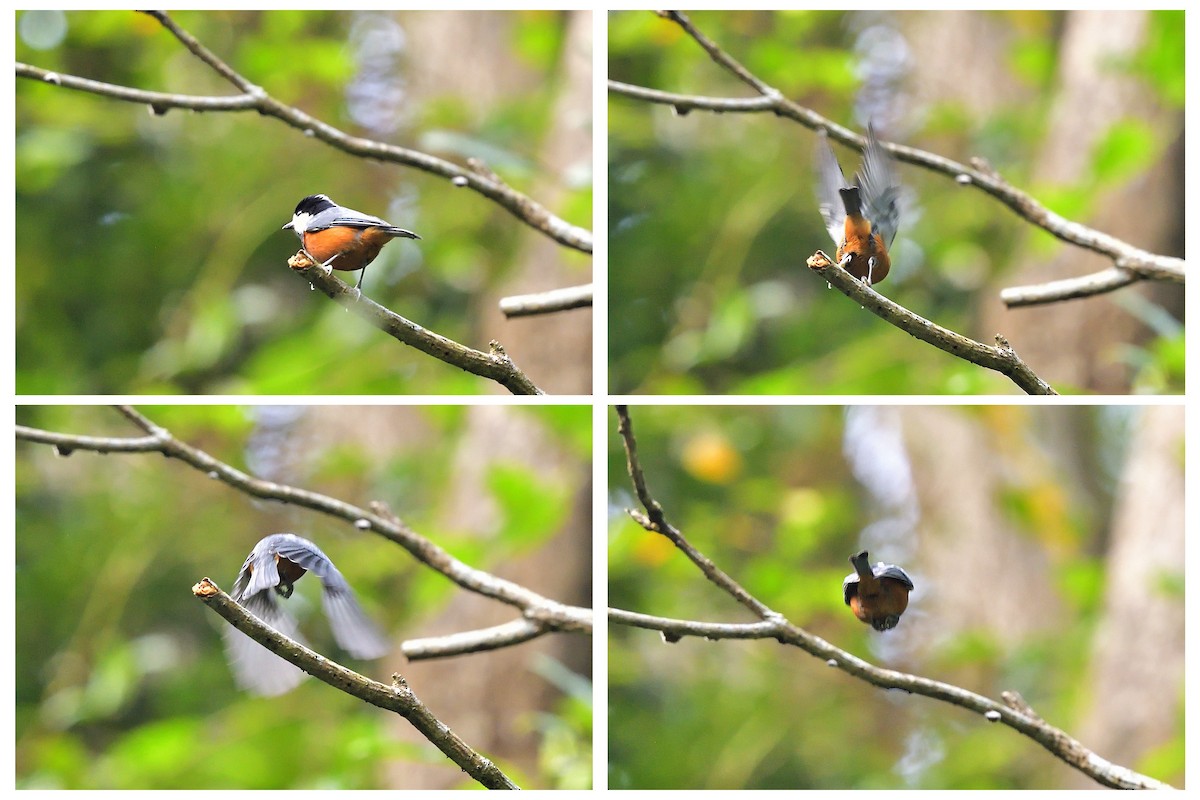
313	204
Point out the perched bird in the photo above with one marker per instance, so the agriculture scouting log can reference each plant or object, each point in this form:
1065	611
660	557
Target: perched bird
272	568
341	238
877	595
863	217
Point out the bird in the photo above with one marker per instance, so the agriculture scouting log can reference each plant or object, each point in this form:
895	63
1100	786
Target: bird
877	595
341	238
272	568
862	217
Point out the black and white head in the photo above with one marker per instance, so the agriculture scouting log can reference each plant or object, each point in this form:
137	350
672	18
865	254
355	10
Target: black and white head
308	208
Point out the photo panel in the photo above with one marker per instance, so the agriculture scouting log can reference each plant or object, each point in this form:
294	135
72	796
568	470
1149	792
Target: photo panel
829	203
430	567
317	203
896	597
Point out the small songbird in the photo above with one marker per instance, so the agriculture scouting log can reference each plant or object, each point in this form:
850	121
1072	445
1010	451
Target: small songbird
862	218
341	238
877	595
272	568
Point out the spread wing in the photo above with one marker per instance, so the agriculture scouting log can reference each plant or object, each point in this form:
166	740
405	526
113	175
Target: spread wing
880	189
255	668
829	180
258	574
352	628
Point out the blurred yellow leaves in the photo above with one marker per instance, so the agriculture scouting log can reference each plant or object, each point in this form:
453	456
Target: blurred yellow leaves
709	456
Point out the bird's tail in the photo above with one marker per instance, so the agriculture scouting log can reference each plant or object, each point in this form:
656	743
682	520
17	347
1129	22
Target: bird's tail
862	565
852	201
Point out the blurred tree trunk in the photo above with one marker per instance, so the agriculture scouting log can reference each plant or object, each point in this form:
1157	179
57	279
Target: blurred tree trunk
555	349
981	572
1134	689
969	67
1078	343
492	700
985	573
477	694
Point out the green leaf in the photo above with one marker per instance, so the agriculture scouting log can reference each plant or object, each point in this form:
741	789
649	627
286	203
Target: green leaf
531	509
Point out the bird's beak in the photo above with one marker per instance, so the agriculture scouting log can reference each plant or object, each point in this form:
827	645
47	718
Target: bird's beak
290	224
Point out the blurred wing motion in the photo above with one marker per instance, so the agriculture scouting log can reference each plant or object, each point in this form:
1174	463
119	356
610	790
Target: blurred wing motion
352	628
255	668
880	189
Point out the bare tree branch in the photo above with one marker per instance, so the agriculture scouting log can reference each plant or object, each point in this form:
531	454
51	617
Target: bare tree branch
1136	264
717	54
527	305
397	698
775	626
549	615
256	98
1001	358
1068	289
496	366
480	641
655	520
673	630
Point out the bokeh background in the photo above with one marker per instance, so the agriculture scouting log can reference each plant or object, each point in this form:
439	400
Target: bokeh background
150	256
121	679
711	216
1046	545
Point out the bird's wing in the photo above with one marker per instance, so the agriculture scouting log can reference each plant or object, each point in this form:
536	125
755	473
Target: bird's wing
895	573
258	574
355	632
849	587
829	180
880	189
352	628
255	668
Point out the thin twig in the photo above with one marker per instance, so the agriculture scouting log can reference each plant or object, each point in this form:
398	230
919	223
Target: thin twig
776	626
496	366
655	520
397	698
717	54
1068	289
549	614
479	641
255	98
1001	358
527	305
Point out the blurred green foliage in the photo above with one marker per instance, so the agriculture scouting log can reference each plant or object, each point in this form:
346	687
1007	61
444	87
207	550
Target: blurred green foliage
711	216
150	255
769	495
121	680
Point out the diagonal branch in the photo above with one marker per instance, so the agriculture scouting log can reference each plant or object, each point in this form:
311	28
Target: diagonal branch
496	366
718	55
1001	358
397	698
255	98
1133	263
1014	714
655	520
549	615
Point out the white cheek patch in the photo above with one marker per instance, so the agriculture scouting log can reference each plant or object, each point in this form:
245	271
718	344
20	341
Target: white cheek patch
300	222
